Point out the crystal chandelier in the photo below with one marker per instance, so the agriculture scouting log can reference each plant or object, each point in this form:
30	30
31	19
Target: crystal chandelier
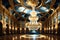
33	24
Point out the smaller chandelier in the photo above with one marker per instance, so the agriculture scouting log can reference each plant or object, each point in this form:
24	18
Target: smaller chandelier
32	19
33	26
33	13
32	3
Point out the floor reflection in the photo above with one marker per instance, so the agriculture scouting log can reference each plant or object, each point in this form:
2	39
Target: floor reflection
30	37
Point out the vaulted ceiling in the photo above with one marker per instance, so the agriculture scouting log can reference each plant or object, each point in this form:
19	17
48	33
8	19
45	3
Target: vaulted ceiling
21	10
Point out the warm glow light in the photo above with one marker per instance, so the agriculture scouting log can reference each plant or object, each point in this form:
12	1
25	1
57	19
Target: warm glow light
45	29
33	18
52	9
33	36
18	1
24	28
33	13
4	26
33	26
49	38
49	28
16	28
31	3
12	28
52	38
20	28
56	27
56	32
13	38
52	28
9	27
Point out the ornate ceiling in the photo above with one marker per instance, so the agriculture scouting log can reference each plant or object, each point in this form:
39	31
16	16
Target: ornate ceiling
21	8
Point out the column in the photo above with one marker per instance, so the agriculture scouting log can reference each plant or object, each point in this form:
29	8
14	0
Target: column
20	30
4	22
56	24
49	26
52	25
24	30
13	28
9	26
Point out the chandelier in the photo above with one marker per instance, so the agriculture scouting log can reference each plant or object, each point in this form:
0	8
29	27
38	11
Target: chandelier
33	24
40	5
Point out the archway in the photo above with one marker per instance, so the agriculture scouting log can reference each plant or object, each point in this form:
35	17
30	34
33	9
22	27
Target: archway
0	28
59	28
7	29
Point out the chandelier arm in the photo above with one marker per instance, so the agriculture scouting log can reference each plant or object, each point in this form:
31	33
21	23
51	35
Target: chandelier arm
40	4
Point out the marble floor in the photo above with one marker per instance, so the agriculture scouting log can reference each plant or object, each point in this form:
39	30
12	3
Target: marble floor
30	37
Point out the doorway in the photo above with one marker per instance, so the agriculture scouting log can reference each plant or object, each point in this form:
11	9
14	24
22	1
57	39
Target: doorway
0	28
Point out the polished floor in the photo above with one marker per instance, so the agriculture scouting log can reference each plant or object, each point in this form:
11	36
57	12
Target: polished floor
30	37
